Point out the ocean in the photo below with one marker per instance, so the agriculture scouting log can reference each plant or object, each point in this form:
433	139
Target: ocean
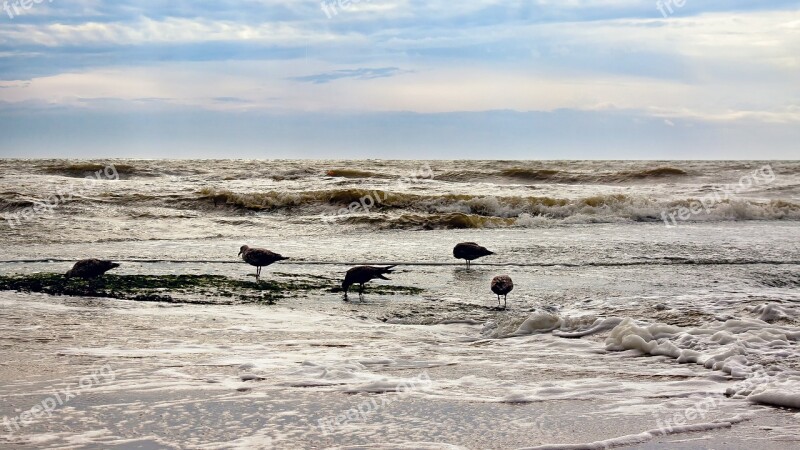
655	305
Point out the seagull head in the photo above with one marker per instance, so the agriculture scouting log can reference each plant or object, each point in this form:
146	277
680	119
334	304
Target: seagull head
243	249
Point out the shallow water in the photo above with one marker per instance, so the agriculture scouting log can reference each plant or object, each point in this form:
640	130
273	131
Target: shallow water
618	327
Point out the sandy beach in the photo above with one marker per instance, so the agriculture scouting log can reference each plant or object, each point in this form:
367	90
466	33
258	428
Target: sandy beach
620	332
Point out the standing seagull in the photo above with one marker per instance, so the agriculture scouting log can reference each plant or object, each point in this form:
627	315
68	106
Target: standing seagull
470	251
361	275
259	257
90	268
502	285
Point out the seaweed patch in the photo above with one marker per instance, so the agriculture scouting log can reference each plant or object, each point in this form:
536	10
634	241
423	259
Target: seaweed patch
194	289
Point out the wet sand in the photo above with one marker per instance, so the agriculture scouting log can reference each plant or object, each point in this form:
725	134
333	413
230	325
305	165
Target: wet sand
247	376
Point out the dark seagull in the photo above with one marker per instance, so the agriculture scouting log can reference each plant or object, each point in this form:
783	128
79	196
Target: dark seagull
259	257
361	275
90	268
502	285
470	251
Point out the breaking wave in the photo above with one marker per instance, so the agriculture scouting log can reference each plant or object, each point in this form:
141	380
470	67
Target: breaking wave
403	210
353	173
430	221
530	175
80	170
446	203
504	172
446	195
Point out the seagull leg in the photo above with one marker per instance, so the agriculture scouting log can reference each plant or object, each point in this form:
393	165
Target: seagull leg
505	301
498	300
361	292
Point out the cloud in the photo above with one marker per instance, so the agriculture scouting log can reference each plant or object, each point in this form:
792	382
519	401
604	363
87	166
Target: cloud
169	30
230	100
713	62
358	74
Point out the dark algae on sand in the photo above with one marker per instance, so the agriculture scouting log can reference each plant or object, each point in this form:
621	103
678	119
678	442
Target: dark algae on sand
198	289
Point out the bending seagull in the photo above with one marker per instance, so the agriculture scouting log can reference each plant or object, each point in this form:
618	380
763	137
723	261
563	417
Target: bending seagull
90	268
502	285
361	275
470	251
259	257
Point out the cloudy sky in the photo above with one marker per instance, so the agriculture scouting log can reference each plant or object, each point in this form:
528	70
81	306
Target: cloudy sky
387	79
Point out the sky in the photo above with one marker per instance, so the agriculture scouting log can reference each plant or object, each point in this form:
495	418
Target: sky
400	79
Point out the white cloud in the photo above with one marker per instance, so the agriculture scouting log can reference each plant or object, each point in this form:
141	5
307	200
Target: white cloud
170	30
733	66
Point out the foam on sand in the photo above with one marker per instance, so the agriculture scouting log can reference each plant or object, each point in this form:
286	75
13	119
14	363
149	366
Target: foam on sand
747	349
634	439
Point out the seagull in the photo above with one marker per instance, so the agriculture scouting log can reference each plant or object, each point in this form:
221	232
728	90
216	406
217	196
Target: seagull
259	257
90	268
361	275
470	251
502	285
